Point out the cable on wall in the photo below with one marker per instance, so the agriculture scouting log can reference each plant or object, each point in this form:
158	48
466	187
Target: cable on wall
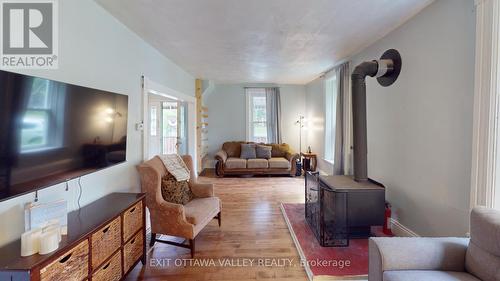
80	192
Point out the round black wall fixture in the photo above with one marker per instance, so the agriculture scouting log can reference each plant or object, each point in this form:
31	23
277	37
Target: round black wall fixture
391	76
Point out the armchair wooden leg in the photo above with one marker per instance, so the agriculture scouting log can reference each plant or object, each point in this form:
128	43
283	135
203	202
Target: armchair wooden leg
183	244
153	239
191	246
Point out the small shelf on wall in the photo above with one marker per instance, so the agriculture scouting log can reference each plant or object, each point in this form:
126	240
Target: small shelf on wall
201	126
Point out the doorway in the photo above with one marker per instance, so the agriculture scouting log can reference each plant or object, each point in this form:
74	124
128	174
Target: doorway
168	126
169	119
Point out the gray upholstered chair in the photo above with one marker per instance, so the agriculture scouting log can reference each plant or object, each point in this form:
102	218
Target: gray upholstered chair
441	259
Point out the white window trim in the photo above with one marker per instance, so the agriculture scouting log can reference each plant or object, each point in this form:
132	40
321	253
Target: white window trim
249	117
332	76
486	104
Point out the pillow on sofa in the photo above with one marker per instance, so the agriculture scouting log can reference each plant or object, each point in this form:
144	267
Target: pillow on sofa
232	148
248	151
264	151
279	149
174	191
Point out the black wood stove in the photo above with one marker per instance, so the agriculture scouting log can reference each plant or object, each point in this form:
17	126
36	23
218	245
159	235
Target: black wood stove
341	207
338	208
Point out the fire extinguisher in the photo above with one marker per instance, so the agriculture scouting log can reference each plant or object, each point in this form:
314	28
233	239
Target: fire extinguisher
387	222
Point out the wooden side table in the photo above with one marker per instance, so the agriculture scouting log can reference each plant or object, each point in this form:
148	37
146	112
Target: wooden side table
309	161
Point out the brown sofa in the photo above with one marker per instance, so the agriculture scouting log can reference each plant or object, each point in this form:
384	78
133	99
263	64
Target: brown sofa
282	161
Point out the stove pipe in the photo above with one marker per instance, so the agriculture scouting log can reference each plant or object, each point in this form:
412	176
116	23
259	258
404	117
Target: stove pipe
386	70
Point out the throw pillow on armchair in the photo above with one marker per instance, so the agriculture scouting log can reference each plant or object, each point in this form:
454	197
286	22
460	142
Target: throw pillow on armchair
174	191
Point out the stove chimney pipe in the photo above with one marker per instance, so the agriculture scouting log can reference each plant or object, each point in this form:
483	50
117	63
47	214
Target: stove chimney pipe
386	70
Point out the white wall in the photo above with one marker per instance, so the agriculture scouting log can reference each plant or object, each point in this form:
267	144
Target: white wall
292	104
227	114
315	114
98	51
420	128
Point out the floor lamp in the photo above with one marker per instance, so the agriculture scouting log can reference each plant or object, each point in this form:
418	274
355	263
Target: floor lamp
301	123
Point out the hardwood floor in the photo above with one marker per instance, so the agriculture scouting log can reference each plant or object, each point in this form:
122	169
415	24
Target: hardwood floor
253	229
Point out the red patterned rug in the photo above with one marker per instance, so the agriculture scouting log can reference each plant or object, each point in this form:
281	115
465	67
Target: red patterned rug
326	263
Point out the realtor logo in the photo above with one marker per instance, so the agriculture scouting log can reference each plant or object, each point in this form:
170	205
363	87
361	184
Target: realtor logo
29	34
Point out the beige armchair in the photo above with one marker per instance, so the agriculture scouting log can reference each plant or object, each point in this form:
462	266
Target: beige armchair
184	221
441	259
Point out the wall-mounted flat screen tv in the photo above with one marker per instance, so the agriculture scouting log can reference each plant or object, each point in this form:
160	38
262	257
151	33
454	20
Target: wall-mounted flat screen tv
51	132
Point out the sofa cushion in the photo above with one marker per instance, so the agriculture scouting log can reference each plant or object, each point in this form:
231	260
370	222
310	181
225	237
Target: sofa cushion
483	254
279	162
263	151
232	148
248	151
200	210
257	164
481	263
236	163
174	191
427	275
436	253
279	149
485	229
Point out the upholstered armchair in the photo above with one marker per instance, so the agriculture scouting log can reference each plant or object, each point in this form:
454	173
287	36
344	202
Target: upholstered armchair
184	221
441	259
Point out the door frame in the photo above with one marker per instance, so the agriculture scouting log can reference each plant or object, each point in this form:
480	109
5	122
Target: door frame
149	88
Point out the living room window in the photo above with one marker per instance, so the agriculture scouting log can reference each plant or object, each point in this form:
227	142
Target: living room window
256	115
330	117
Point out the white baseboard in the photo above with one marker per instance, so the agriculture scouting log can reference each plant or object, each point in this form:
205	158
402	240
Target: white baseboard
400	230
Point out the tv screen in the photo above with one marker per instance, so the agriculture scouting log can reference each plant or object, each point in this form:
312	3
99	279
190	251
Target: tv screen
51	132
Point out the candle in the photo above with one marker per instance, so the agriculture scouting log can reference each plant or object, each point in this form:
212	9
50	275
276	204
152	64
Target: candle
30	242
49	241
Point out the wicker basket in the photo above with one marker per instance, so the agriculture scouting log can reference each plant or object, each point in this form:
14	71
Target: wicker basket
132	251
105	242
110	271
72	265
132	221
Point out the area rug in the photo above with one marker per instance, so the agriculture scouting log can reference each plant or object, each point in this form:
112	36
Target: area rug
326	263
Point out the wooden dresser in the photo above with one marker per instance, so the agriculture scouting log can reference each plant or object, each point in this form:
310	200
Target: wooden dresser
105	240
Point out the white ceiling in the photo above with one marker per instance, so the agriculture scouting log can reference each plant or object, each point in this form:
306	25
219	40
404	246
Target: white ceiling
276	41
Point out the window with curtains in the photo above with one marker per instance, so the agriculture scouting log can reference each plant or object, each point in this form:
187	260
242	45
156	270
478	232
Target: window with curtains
256	114
330	114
